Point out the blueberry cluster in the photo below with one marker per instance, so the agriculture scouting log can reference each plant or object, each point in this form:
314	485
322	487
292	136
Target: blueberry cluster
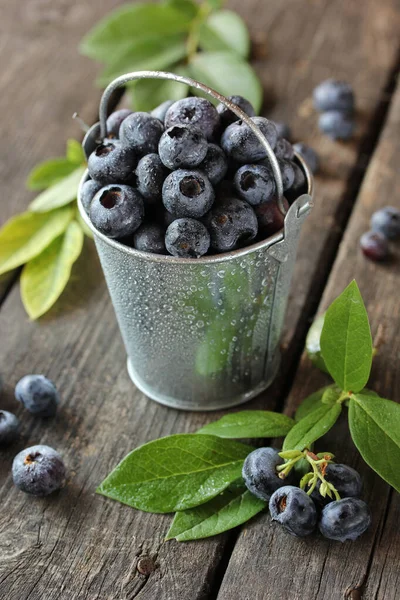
335	101
385	227
300	513
189	179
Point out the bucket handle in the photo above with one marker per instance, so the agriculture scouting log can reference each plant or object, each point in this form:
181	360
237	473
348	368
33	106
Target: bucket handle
123	79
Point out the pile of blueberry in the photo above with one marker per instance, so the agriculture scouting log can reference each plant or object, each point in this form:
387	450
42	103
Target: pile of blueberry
335	101
189	179
38	470
300	513
385	227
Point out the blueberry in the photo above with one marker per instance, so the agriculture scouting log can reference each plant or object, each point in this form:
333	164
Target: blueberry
187	193
254	183
299	185
387	221
345	519
337	125
269	217
309	155
232	223
38	470
187	238
114	122
88	190
228	117
112	163
38	395
141	133
374	246
334	95
149	238
283	130
182	146
117	210
215	164
9	427
284	149
150	176
196	112
260	474
161	110
287	172
345	479
293	509
241	144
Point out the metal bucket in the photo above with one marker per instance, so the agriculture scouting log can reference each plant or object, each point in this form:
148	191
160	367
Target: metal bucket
201	334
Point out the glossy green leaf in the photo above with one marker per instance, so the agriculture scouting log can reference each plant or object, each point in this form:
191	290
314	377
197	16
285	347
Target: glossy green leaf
125	26
309	404
229	74
234	506
49	172
375	429
176	472
346	341
313	343
25	236
312	427
148	93
75	153
61	193
44	277
225	30
250	424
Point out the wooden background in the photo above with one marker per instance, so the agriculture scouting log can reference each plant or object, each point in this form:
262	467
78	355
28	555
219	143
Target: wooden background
77	545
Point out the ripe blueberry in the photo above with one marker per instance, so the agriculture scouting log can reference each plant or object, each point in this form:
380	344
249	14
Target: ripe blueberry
9	427
215	164
260	474
141	133
337	125
196	112
293	509
299	185
38	470
114	122
88	190
283	130
187	193
287	172
187	238
150	238
182	146
228	117
269	217
150	176
38	395
345	519
284	149
387	221
112	163
117	210
374	246
334	95
345	479
254	183
309	155
232	223
161	110
241	144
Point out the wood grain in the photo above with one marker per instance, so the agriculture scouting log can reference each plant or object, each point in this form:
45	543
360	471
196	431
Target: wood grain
315	568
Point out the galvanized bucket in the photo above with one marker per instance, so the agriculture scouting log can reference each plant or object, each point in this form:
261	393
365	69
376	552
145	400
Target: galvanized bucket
201	334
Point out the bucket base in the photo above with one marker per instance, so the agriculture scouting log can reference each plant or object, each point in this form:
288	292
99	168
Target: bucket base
174	403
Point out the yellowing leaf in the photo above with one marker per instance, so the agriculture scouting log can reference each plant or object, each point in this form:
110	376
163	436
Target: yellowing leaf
59	194
75	153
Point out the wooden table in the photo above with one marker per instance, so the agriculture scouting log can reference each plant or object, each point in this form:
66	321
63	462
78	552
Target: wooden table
77	545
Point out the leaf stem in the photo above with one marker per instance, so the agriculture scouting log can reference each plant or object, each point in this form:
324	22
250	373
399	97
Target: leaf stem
194	31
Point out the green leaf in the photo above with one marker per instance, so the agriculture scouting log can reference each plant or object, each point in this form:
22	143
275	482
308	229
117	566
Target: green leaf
152	54
229	74
313	344
250	424
188	7
44	278
312	427
375	428
176	472
59	194
310	403
234	506
25	236
331	395
48	173
125	26
75	153
225	30
149	93
346	341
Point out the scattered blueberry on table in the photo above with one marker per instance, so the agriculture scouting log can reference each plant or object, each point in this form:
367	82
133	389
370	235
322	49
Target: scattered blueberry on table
9	427
38	395
345	519
335	101
38	470
385	228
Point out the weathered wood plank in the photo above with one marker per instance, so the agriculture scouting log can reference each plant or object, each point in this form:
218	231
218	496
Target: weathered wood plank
314	568
78	545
